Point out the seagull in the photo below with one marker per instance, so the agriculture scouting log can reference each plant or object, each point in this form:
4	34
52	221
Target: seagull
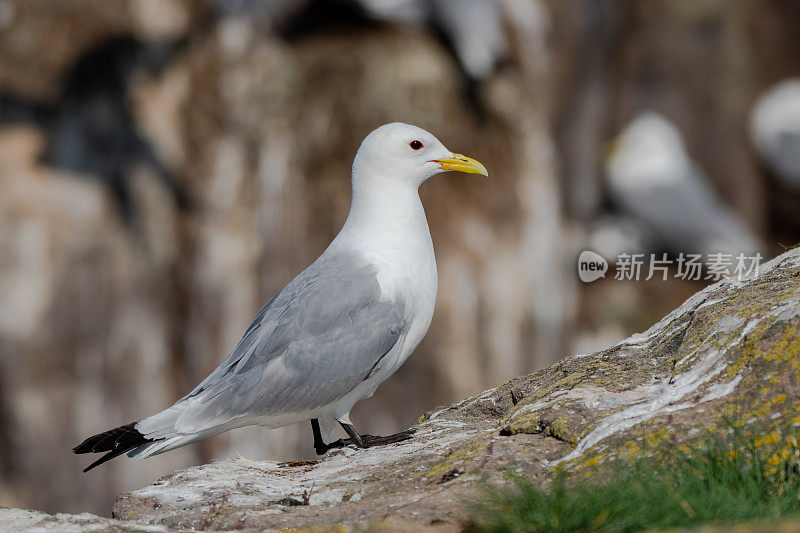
775	130
653	178
337	330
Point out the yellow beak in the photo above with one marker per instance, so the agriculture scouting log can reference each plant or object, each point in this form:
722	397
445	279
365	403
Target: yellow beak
462	163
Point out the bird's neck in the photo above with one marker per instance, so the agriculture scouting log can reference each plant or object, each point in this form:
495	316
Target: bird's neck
388	216
387	228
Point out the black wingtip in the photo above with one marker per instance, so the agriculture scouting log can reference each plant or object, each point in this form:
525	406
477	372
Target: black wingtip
114	441
103	459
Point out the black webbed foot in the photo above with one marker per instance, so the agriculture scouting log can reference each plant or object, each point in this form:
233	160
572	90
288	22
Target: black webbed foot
377	440
361	441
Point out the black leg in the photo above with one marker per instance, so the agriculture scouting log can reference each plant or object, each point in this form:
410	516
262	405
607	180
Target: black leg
354	436
319	445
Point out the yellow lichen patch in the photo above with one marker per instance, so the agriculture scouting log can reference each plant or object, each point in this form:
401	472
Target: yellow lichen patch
631	449
763	407
468	452
778	458
755	298
604	373
770	438
647	441
780	455
590	462
700	341
567	382
750	350
787	349
530	425
522	419
561	430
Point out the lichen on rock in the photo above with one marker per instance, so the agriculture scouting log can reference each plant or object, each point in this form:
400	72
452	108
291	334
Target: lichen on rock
729	355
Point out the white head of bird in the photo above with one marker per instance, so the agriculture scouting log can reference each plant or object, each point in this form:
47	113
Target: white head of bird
401	154
390	165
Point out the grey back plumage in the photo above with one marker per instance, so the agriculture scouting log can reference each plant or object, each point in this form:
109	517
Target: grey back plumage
310	345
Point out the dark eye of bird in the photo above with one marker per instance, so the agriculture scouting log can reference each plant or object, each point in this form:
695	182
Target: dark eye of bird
415	145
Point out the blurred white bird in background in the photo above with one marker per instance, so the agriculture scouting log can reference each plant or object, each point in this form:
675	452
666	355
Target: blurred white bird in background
775	130
652	178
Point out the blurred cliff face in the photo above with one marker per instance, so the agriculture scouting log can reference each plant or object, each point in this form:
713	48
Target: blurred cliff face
167	166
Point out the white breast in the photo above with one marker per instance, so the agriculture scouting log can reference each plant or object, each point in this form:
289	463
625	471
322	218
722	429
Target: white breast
401	250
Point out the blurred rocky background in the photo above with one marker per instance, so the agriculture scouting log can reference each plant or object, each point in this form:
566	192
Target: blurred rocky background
166	166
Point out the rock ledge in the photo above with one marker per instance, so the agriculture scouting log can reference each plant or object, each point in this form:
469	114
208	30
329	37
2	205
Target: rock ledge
730	352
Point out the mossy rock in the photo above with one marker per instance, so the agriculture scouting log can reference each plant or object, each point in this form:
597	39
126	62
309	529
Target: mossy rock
730	355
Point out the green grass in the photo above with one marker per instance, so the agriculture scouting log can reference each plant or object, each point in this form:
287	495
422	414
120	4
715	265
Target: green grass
718	481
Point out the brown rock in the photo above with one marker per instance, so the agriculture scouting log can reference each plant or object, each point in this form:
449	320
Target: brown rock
729	352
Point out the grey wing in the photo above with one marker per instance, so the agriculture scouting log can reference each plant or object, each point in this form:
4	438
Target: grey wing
689	216
785	156
312	344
